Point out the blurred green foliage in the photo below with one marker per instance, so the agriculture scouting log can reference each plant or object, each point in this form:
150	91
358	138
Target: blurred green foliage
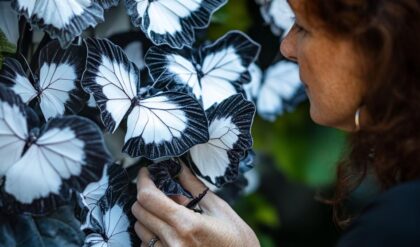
262	211
304	151
259	213
232	16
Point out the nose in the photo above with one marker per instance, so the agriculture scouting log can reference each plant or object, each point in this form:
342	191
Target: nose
288	47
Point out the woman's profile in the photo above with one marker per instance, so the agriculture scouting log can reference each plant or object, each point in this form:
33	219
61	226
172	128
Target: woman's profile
360	63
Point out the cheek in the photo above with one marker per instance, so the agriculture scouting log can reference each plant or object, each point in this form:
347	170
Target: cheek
333	91
334	105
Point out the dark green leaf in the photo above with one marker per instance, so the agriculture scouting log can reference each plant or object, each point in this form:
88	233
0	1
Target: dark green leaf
58	229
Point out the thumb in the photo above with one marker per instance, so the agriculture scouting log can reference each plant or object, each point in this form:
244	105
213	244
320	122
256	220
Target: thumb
191	183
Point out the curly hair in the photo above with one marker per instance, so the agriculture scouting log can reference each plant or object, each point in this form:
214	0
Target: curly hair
387	34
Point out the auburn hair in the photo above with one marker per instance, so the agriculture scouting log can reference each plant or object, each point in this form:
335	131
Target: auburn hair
387	35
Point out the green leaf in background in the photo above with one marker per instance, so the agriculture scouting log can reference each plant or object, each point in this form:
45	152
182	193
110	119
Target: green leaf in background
266	240
263	213
58	229
303	151
5	47
233	16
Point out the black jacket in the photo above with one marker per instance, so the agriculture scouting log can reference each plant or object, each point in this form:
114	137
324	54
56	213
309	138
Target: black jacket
393	219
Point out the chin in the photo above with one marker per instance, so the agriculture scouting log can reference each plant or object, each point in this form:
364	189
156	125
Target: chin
315	116
319	118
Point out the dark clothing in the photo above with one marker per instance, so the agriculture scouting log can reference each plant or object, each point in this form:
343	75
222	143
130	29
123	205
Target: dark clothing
393	219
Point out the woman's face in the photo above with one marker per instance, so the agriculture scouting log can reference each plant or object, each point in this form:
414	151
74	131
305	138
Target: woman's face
329	69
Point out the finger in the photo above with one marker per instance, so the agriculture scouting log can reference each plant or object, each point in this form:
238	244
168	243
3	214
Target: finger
156	202
180	199
157	244
150	221
145	234
191	183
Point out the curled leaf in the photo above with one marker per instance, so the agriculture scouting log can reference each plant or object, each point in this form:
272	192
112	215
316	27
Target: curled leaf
164	173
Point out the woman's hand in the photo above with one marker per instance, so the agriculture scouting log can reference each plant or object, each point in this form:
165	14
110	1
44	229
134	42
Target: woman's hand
175	225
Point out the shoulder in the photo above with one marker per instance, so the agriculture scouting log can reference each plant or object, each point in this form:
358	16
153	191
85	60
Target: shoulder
393	219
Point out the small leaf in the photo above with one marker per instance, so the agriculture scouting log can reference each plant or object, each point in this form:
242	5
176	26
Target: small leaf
5	47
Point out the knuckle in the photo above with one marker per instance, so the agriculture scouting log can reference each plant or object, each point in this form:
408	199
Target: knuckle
178	241
144	195
186	229
174	214
134	208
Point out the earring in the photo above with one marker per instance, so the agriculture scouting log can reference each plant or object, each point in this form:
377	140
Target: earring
357	119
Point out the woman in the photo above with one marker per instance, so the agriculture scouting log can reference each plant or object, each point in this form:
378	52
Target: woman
360	63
